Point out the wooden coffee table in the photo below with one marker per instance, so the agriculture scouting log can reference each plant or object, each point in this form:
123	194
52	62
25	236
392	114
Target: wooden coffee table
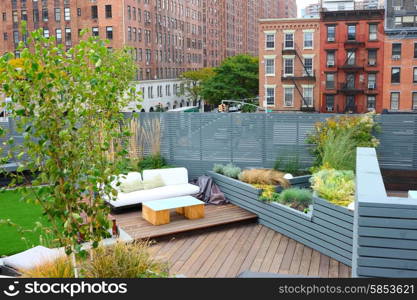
158	212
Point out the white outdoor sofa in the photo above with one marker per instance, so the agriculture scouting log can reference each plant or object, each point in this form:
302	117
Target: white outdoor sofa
176	185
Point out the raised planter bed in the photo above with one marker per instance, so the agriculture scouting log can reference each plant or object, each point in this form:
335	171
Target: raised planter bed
327	229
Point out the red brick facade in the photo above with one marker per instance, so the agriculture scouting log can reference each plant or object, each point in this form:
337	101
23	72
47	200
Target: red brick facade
352	52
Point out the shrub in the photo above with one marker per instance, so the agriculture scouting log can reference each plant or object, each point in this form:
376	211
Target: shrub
120	260
289	165
296	198
59	268
231	171
152	162
338	187
124	261
264	177
338	152
218	168
268	192
361	128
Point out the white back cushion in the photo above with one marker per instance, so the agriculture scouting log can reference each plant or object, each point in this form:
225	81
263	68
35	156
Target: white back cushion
132	176
33	257
169	176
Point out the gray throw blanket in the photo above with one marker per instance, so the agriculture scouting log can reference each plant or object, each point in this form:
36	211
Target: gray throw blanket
209	192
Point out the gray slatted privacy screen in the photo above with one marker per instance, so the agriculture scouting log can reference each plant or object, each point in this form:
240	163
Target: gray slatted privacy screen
197	141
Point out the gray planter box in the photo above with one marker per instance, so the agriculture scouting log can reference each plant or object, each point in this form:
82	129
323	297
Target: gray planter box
327	229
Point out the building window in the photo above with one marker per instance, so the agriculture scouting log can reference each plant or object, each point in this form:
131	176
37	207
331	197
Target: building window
46	33
129	33
414	101
351	32
109	32
415	50
270	41
351	57
108	9
373	32
94	12
24	15
289	40
68	37
79	12
15	17
395	75
371	81
270	66
350	80
95	31
370	103
16	37
308	66
58	33
57	15
331	61
67	14
288	67
331	33
270	96
289	96
395	100
372	57
308	40
396	51
308	96
330	103
330	81
415	74
129	12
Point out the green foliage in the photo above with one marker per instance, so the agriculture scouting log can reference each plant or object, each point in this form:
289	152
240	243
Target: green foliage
68	106
249	108
152	162
268	194
236	78
338	187
289	164
194	81
218	168
360	130
338	152
296	198
229	170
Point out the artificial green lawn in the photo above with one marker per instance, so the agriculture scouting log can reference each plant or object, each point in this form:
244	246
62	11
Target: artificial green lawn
23	214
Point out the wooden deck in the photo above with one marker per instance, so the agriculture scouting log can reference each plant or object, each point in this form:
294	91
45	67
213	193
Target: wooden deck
133	223
228	251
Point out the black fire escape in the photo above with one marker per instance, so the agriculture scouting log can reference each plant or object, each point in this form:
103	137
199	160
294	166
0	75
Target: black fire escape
304	74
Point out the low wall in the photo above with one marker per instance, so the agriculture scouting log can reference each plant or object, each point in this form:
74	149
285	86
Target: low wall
327	229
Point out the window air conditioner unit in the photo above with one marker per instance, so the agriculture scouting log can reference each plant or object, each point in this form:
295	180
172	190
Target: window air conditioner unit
330	64
330	39
329	108
371	86
372	62
396	56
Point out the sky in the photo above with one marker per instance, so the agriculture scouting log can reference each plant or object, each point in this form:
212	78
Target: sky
303	3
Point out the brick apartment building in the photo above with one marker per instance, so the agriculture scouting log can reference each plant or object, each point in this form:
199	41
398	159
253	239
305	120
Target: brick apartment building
400	59
352	51
289	63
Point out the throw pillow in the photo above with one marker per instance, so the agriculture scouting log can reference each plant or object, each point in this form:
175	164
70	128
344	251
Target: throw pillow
131	185
153	183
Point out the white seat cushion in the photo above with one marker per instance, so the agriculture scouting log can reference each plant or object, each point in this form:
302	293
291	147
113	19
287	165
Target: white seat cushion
171	191
173	176
412	194
31	258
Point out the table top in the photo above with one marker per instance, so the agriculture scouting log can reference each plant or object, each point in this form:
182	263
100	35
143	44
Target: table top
171	203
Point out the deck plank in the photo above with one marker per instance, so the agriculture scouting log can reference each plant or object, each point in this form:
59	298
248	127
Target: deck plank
296	260
138	228
324	266
305	261
262	250
315	264
287	259
269	257
276	263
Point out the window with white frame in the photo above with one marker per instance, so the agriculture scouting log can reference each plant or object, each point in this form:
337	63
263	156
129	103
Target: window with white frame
308	66
289	40
289	96
270	66
373	32
308	96
270	96
67	14
270	40
288	66
371	101
308	40
395	100
371	81
331	59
